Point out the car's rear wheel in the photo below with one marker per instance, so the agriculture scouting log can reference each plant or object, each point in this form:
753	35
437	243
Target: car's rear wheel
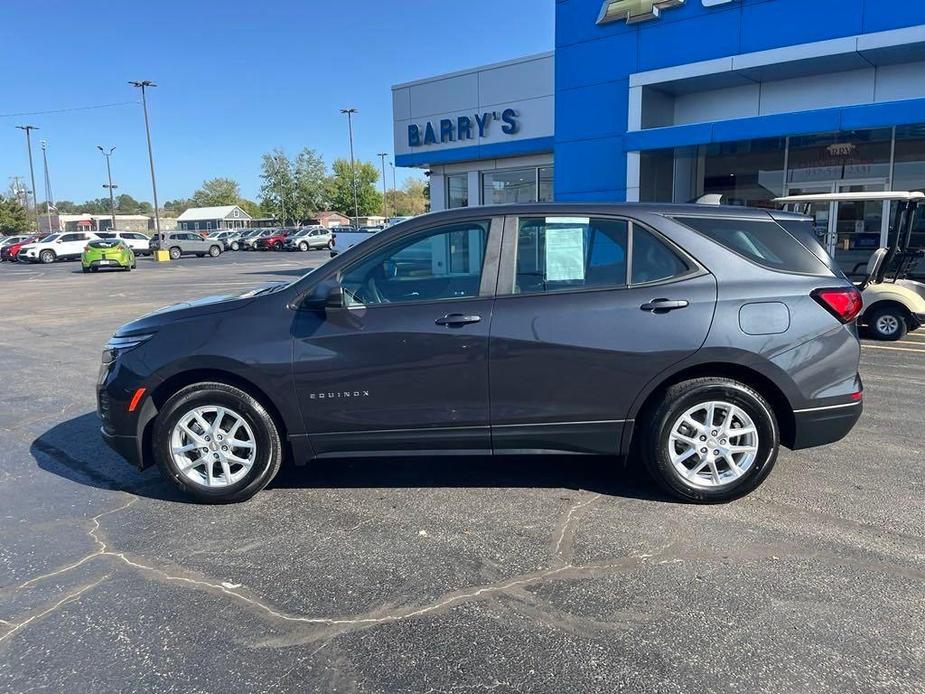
711	440
215	251
175	253
47	257
85	269
887	323
216	443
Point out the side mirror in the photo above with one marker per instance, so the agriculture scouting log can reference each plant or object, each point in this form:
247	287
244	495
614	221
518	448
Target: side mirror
323	298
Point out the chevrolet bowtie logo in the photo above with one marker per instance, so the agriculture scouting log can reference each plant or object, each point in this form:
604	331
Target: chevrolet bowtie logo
634	10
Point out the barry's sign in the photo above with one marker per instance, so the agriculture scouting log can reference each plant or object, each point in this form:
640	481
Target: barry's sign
463	128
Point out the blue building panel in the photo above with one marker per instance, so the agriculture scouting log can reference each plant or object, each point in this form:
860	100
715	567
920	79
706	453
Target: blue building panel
589	54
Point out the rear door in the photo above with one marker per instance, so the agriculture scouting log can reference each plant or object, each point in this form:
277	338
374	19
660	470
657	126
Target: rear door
588	311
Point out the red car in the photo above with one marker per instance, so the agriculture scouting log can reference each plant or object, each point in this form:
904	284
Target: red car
273	242
10	252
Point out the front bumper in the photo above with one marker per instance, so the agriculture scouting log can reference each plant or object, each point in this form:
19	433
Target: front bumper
820	426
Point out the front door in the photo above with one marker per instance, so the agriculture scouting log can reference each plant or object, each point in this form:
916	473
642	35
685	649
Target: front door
579	330
403	365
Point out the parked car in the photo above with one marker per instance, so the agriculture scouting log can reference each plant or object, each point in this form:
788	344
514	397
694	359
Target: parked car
10	240
179	243
224	237
138	242
693	341
271	242
10	251
107	253
60	246
309	238
249	241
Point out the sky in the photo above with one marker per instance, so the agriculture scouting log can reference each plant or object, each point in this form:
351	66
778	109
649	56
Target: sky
235	80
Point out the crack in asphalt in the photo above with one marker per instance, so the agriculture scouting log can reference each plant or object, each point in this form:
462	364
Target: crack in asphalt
567	524
63	601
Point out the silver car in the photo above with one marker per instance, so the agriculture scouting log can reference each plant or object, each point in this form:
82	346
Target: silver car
179	243
309	239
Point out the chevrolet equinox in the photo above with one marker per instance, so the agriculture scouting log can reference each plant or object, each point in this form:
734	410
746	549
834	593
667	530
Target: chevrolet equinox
695	340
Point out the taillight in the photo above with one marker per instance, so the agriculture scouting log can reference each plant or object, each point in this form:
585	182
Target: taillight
844	303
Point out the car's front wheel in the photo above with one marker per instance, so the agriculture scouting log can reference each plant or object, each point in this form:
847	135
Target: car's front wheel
215	251
711	440
235	245
47	257
303	246
216	443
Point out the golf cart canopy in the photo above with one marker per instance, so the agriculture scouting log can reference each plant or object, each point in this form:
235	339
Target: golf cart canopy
852	197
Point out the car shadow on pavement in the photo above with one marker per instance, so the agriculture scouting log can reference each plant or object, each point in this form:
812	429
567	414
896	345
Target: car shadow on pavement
74	450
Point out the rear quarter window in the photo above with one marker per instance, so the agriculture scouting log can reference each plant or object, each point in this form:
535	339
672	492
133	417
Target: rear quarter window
763	242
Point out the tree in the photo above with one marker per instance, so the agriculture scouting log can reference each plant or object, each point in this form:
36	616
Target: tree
177	207
408	201
277	191
217	191
13	216
251	207
369	200
311	189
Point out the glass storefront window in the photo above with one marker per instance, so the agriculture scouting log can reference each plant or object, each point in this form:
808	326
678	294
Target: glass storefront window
507	187
854	155
544	180
747	173
457	191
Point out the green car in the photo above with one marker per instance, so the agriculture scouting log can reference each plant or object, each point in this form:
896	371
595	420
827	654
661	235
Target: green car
107	253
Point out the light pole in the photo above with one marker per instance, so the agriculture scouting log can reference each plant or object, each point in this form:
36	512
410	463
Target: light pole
49	196
143	85
394	187
353	168
385	205
112	200
28	130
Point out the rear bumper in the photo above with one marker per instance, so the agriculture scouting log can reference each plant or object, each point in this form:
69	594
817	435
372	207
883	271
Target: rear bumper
918	320
823	425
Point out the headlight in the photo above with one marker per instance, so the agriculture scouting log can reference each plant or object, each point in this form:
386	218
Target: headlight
117	346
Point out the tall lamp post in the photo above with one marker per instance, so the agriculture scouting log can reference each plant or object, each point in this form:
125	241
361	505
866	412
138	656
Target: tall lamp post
394	187
143	86
111	187
385	204
353	168
49	196
35	213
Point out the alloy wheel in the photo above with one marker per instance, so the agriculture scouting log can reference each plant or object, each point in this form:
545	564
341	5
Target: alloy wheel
213	446
713	444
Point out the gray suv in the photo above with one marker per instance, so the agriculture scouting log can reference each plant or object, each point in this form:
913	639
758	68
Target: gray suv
179	243
692	340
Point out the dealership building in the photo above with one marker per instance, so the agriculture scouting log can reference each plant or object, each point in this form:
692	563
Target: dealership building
647	100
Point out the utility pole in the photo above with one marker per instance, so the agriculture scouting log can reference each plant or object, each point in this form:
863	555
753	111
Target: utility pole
143	85
49	196
353	168
112	200
35	213
385	204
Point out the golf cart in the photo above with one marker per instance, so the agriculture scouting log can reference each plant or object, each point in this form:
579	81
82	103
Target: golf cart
893	304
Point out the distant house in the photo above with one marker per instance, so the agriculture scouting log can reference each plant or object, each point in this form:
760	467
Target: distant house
205	218
330	219
97	222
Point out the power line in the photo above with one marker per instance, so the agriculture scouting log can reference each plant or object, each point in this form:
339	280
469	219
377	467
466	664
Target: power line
67	110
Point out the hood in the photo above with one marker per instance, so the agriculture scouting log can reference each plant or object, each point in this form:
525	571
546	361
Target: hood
194	308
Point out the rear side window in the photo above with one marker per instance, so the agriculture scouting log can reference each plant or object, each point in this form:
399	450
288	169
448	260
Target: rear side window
763	242
653	261
567	253
805	233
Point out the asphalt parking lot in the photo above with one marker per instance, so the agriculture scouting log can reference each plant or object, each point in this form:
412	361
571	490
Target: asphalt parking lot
438	574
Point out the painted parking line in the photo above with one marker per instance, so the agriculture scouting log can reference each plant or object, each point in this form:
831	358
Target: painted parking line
895	349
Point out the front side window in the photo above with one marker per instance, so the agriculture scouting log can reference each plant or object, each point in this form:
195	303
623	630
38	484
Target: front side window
567	253
443	263
457	191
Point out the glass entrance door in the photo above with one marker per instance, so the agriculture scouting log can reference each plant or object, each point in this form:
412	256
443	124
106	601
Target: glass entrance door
849	231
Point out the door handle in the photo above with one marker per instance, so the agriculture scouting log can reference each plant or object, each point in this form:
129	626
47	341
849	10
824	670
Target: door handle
664	305
457	319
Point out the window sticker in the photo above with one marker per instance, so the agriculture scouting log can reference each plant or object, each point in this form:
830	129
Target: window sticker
565	253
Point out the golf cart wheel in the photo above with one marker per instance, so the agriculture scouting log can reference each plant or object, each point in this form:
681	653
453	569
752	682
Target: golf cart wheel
47	257
215	251
174	253
887	323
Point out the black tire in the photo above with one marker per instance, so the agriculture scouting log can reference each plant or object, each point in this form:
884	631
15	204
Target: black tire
215	251
678	399
330	245
303	246
85	269
266	436
235	246
47	257
175	252
887	323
